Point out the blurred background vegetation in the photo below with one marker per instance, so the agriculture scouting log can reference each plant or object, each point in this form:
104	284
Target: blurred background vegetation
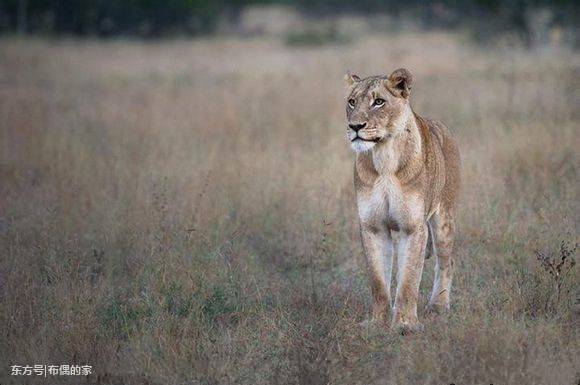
531	21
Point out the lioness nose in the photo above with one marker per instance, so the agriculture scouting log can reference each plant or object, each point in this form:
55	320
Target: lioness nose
356	127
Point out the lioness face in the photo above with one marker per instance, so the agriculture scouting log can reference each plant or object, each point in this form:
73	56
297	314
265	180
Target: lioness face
374	108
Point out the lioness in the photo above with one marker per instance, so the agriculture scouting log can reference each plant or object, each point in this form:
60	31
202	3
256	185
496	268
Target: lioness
406	176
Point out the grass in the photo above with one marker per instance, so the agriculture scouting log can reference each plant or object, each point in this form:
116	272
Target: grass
316	37
183	212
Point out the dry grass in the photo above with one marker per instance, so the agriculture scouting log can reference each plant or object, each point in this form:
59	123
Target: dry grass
182	212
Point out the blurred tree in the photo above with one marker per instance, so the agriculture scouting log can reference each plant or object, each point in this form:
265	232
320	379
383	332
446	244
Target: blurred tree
160	17
22	16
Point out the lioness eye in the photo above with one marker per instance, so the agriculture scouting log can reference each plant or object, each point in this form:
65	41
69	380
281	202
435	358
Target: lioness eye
379	102
351	103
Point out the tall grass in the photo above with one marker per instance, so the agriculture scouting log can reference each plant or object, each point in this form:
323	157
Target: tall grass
183	212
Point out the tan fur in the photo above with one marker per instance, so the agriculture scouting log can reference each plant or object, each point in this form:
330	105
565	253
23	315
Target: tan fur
407	179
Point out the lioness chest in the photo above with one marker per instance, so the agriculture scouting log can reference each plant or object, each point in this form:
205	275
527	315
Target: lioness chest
386	202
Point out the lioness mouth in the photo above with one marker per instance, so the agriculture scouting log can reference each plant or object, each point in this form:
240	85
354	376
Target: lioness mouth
364	140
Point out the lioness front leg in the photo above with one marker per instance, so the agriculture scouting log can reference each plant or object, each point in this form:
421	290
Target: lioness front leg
410	261
378	249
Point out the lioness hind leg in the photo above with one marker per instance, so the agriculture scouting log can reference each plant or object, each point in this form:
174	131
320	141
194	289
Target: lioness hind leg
430	248
443	224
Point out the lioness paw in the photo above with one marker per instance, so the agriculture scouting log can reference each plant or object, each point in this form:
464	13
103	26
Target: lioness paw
408	328
437	309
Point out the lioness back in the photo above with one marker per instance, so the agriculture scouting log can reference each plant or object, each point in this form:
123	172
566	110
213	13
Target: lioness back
450	151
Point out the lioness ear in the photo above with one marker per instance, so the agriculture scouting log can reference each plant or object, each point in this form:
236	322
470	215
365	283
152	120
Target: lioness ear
400	82
350	79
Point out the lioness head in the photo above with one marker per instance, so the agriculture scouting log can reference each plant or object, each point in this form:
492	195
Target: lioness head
376	107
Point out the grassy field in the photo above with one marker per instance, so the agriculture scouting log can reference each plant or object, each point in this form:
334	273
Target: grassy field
182	212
